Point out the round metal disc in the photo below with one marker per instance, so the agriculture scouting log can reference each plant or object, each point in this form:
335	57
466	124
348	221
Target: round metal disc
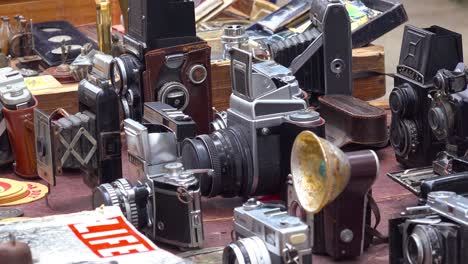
59	38
10	212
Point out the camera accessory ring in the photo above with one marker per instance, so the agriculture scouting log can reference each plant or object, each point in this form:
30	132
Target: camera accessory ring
440	118
170	87
404	137
125	107
250	250
197	73
246	164
111	200
129	202
215	164
403	100
122	73
231	163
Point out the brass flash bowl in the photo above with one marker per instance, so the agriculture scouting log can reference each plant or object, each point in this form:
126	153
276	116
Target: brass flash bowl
320	171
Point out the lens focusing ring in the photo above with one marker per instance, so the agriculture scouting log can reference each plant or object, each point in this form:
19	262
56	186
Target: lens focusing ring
404	137
127	64
230	158
216	180
128	202
403	101
107	194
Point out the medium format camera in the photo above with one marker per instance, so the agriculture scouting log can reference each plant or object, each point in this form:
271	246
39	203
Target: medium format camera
321	56
252	155
164	61
286	237
449	107
433	233
158	190
89	139
421	56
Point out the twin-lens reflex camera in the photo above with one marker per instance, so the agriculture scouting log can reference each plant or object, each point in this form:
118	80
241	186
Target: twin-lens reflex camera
164	61
417	128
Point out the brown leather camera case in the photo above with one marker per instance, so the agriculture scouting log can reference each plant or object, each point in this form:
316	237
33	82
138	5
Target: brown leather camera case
195	54
20	127
353	121
341	225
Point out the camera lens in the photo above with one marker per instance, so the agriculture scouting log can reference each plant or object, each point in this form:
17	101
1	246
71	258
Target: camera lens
174	94
404	137
227	152
439	122
424	245
403	100
247	250
123	72
131	200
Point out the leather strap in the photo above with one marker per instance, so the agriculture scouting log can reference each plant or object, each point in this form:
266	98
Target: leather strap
376	237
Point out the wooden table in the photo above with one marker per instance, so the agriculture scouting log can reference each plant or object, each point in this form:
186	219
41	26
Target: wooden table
72	195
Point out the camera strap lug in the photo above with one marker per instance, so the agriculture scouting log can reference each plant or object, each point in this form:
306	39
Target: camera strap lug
290	255
184	196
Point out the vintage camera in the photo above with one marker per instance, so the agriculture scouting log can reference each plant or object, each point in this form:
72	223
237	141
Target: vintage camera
448	172
90	139
421	56
18	108
321	56
286	237
181	124
164	61
158	189
433	233
252	155
449	108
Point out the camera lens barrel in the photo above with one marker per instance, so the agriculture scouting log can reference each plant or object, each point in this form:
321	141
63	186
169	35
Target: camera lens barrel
424	245
251	250
403	100
404	136
227	152
132	200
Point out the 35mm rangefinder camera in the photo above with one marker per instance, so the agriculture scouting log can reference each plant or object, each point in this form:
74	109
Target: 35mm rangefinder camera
158	190
286	237
434	233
